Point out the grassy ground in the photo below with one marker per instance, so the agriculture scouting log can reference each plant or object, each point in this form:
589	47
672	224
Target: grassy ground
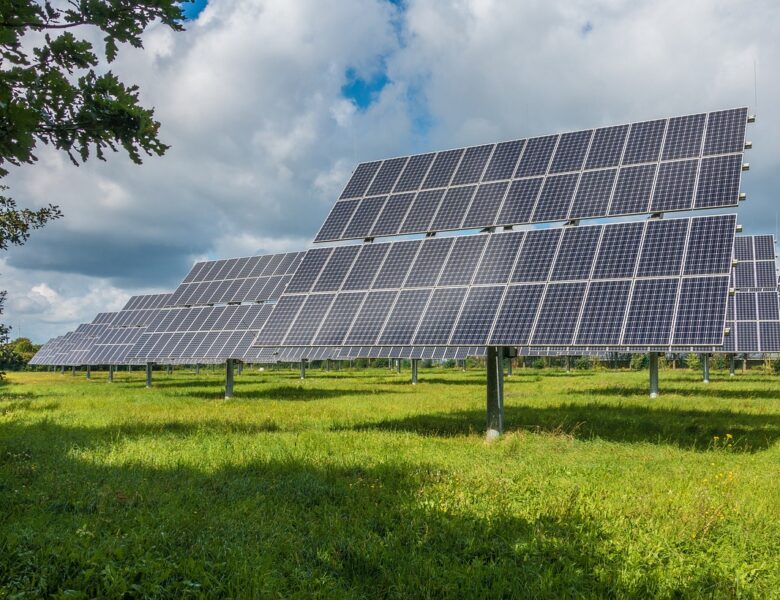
358	484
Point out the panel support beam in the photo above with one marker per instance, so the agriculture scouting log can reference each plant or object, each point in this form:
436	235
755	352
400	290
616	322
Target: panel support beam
495	392
148	375
705	367
653	360
414	371
228	378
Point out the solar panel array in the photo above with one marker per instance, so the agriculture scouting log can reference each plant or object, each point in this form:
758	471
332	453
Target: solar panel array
659	282
683	163
236	280
202	334
127	327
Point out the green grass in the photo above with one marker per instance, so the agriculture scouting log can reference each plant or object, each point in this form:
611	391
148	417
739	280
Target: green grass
358	484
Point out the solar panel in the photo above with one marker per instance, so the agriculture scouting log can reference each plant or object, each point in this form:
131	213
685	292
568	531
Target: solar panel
681	163
653	278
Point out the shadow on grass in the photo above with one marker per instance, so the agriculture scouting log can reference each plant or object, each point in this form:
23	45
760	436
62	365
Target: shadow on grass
286	527
700	389
688	429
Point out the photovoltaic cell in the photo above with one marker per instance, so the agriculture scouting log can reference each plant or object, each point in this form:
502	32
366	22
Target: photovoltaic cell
364	217
463	260
396	266
414	173
674	186
558	315
576	253
520	201
485	205
683	137
477	315
366	266
556	197
603	313
499	257
747	334
336	269
766	274
663	248
726	131
537	255
719	179
386	177
392	215
632	190
746	307
516	316
644	142
309	319
453	207
310	268
745	275
650	316
284	314
502	163
593	194
709	245
443	167
536	156
439	319
336	324
429	262
360	180
421	213
607	147
701	311
765	247
405	316
770	337
337	220
768	309
571	150
369	321
472	165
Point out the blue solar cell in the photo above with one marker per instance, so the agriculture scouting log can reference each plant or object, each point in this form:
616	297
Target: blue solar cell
701	311
429	262
360	180
683	137
502	163
452	208
536	156
649	321
472	165
499	257
558	316
571	150
674	186
719	179
644	142
405	316
310	268
556	198
477	315
386	177
414	173
726	131
536	256
366	266
337	220
364	217
709	245
392	215
743	248
421	213
516	317
332	276
663	247
309	319
396	266
745	275
440	315
632	190
770	337
593	194
747	336
369	321
463	260
520	201
275	329
484	207
766	274
607	147
765	247
442	169
602	317
576	253
745	304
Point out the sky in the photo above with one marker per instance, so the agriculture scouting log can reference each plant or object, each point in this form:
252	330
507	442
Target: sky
268	105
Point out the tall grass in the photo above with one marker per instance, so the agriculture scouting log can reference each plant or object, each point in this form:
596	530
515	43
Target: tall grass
355	483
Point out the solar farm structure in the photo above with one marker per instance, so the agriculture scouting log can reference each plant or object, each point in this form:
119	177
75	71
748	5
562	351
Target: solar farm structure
500	263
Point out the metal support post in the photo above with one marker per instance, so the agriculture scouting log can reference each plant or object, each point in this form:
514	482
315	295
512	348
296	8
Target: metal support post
744	363
495	392
89	372
397	365
568	363
653	360
327	365
197	368
414	371
110	373
240	368
303	368
168	369
705	367
148	375
732	365
62	370
228	378
73	371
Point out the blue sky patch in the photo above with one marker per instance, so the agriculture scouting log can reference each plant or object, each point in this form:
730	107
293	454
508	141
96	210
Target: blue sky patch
364	92
191	10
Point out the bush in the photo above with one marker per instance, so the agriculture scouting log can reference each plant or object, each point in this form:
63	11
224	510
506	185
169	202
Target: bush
639	362
719	361
692	361
583	363
538	363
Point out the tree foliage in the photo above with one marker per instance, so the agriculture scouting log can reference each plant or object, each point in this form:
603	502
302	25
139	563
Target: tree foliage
53	89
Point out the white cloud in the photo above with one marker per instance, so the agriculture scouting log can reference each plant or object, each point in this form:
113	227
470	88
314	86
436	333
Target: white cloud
263	140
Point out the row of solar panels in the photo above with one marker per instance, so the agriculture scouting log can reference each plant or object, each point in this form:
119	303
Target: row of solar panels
683	163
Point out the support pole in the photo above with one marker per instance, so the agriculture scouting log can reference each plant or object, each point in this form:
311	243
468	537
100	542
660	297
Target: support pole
62	370
495	392
148	375
653	360
303	368
129	368
568	363
168	369
732	365
744	364
327	365
414	371
89	372
705	366
110	373
397	365
509	367
240	368
228	378
197	368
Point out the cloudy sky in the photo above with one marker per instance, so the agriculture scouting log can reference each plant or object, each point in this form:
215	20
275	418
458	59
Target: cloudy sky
269	104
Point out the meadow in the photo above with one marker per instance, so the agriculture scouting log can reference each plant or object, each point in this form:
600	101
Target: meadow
358	484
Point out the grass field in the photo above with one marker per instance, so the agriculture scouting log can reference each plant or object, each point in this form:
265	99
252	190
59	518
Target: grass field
358	484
